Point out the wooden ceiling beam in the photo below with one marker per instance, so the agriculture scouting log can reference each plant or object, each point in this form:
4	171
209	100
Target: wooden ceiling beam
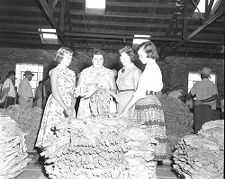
108	31
48	12
117	37
39	21
145	5
120	24
125	15
50	16
194	33
68	16
62	16
133	4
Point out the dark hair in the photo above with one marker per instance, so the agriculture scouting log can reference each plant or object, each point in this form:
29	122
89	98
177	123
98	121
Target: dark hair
96	51
150	49
129	51
61	52
10	73
40	82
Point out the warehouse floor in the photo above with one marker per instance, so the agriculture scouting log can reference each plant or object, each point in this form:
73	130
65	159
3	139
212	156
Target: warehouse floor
34	171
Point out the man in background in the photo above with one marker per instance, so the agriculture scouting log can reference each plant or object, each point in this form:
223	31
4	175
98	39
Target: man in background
25	90
39	94
8	90
206	93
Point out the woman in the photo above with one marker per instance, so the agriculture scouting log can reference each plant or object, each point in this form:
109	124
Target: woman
94	77
60	105
128	78
148	109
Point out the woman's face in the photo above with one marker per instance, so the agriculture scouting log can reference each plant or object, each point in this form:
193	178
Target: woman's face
98	61
125	59
142	56
66	61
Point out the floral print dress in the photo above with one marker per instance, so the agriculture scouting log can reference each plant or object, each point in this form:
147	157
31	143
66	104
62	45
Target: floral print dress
101	78
53	114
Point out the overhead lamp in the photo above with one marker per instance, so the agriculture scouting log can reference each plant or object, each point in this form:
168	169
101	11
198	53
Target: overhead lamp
139	39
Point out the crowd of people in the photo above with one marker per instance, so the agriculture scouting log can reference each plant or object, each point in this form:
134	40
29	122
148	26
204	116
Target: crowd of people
137	92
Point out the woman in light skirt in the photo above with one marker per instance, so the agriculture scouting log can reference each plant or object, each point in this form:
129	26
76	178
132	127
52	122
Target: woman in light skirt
148	109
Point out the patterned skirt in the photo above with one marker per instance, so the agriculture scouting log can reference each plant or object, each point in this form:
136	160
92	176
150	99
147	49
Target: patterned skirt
148	111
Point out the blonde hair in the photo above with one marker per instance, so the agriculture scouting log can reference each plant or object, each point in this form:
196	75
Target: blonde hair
61	52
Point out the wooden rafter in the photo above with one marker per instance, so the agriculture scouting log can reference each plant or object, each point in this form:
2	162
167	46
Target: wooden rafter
62	16
199	29
50	16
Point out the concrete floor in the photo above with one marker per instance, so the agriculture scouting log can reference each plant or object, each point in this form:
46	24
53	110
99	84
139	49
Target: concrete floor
34	171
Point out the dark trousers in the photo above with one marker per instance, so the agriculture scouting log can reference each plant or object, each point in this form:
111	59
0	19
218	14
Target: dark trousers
202	114
8	101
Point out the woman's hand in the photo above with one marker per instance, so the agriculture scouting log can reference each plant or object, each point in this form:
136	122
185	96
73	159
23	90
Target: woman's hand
69	112
197	102
124	114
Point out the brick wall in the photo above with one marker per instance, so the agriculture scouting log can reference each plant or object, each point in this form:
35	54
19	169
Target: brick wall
174	69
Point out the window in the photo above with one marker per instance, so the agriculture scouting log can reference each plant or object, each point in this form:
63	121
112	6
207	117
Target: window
48	36
201	6
36	69
193	77
95	7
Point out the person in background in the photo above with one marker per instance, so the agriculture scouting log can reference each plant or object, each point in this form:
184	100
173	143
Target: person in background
94	77
206	93
59	109
39	94
1	84
25	90
9	91
148	109
128	78
222	108
46	90
166	91
176	93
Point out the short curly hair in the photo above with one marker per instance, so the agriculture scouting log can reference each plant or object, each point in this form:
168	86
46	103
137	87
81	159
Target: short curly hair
61	52
97	51
129	51
150	49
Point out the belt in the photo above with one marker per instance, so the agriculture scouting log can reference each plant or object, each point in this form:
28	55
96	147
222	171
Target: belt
150	93
126	90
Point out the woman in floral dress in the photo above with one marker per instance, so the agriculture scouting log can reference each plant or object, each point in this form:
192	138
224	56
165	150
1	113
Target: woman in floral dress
128	78
95	76
60	105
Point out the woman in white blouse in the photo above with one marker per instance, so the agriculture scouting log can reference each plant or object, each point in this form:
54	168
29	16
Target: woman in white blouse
148	110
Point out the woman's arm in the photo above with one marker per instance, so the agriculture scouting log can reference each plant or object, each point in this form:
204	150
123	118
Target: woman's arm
136	77
112	84
80	79
132	101
55	92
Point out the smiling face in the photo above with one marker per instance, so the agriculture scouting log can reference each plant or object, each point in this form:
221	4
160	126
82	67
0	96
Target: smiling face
67	58
98	61
125	59
142	56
